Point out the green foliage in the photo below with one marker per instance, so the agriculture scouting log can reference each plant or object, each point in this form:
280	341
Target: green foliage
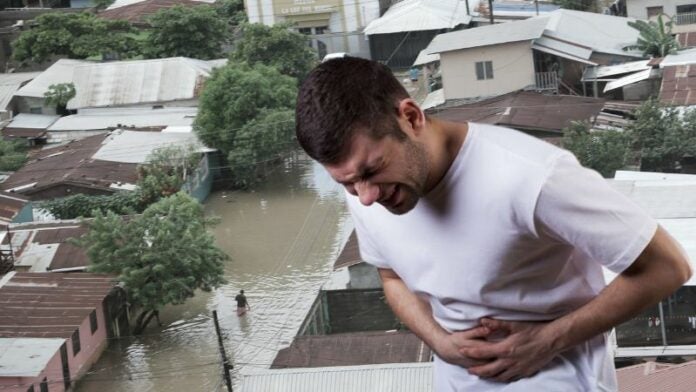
76	36
196	32
80	205
13	154
277	46
233	10
580	5
603	151
161	257
102	4
663	136
655	38
165	173
245	112
59	95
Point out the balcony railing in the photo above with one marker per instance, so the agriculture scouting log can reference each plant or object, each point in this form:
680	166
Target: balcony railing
685	18
546	81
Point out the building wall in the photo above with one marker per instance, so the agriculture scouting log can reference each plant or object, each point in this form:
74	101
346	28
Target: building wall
638	9
26	214
201	183
27	104
53	373
91	345
513	69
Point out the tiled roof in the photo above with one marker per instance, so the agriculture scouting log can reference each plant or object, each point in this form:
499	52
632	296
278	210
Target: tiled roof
651	377
49	304
349	349
139	12
678	85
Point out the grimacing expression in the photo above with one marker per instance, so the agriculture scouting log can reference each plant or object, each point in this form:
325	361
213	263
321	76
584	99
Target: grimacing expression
387	171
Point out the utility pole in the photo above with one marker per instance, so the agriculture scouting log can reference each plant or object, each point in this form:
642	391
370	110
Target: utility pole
467	7
536	5
490	10
225	362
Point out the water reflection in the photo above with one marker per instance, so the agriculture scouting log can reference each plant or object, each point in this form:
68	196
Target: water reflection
281	238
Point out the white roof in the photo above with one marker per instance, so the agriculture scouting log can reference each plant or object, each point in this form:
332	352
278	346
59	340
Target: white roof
605	71
655	177
123	3
580	32
10	83
32	121
136	146
26	357
398	377
142	81
418	15
683	57
425	58
60	72
628	79
110	118
435	98
523	30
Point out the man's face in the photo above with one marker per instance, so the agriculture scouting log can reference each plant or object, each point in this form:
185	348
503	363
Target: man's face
390	172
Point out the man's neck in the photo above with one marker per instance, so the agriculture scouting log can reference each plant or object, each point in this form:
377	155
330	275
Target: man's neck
444	143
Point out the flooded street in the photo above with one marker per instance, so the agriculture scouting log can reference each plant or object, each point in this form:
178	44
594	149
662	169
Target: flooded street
281	239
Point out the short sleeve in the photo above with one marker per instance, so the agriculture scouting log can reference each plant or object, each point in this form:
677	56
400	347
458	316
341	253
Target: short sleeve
366	243
577	206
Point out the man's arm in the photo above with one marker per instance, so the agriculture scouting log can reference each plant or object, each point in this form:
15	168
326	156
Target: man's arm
417	315
659	270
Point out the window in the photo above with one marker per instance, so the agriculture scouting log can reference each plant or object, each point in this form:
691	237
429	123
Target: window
305	30
686	9
484	70
43	387
321	30
93	321
76	342
35	111
654	11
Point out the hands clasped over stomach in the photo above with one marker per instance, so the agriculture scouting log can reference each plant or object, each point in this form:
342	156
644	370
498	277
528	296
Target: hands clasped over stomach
499	350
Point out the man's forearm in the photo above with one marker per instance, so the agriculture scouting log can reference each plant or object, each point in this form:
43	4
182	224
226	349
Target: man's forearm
658	272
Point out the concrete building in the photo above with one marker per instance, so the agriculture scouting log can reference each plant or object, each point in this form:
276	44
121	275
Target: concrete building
30	364
333	25
681	12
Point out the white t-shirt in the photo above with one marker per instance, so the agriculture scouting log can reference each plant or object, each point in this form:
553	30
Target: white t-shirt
516	230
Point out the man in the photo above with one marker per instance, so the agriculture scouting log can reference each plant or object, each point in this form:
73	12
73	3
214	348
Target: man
242	303
489	242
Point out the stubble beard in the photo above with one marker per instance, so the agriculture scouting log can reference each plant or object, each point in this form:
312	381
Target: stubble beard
417	171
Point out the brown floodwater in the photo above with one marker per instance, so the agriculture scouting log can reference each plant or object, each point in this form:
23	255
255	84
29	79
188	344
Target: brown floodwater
282	238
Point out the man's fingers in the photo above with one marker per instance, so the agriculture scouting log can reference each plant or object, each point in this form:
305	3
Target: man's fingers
485	350
508	375
491	369
496	325
475	333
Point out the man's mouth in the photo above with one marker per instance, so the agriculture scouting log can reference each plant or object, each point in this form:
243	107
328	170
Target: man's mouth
391	200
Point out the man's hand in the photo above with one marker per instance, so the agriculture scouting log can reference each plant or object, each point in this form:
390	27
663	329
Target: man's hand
449	347
523	352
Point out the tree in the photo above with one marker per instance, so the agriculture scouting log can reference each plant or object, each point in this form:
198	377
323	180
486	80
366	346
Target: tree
13	154
166	172
196	32
244	112
580	5
662	136
655	39
277	46
59	95
603	151
75	36
233	10
161	257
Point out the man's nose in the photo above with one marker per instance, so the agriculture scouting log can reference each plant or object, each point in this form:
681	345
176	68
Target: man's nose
368	193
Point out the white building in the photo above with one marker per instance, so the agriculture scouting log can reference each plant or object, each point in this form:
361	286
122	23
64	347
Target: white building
681	12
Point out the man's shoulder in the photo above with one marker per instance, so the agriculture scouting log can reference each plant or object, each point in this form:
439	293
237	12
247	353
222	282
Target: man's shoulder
515	145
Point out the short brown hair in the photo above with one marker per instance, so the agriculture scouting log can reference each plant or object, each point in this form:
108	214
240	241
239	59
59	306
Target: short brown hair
341	96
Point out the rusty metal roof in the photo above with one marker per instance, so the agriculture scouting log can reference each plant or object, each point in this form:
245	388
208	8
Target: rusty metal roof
139	12
10	206
49	305
350	255
349	349
525	110
41	247
70	164
687	40
652	376
678	85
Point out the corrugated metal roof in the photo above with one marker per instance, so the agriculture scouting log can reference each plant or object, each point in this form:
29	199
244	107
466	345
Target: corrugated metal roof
10	206
26	357
604	71
60	72
425	58
111	118
489	35
561	48
683	57
370	378
139	11
124	3
142	81
135	147
351	349
10	83
434	99
419	15
628	79
651	377
521	9
42	247
597	32
678	85
350	254
49	304
32	121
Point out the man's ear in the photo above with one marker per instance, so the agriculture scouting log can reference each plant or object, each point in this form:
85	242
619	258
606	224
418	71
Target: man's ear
411	116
